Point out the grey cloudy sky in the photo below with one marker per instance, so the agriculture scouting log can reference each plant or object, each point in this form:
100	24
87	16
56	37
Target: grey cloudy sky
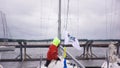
37	19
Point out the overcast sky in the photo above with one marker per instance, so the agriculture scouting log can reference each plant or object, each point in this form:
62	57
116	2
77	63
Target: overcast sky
38	19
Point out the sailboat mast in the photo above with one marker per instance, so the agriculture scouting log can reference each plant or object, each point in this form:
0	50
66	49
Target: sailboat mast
59	20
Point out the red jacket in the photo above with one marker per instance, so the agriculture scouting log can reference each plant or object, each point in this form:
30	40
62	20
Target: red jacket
52	53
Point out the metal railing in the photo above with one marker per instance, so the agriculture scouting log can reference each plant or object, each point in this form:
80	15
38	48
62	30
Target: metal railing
74	59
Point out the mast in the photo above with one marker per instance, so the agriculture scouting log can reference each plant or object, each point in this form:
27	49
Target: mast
59	21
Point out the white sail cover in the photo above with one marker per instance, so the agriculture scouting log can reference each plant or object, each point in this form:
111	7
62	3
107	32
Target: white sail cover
69	39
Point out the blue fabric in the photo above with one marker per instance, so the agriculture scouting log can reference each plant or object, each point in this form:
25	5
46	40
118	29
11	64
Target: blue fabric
65	64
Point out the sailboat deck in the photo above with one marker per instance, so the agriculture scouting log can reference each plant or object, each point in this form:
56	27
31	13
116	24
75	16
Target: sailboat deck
12	59
35	53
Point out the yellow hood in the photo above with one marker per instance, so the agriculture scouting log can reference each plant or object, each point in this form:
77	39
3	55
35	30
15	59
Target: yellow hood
56	41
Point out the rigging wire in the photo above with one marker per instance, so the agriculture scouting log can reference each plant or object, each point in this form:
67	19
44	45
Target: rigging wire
8	33
111	17
1	20
114	18
117	16
106	19
5	28
78	18
41	15
67	15
64	4
41	9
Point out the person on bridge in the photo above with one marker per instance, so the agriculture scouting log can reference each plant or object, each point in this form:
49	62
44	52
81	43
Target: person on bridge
52	53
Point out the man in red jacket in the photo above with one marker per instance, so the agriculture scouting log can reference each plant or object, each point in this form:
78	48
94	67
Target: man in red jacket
52	53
